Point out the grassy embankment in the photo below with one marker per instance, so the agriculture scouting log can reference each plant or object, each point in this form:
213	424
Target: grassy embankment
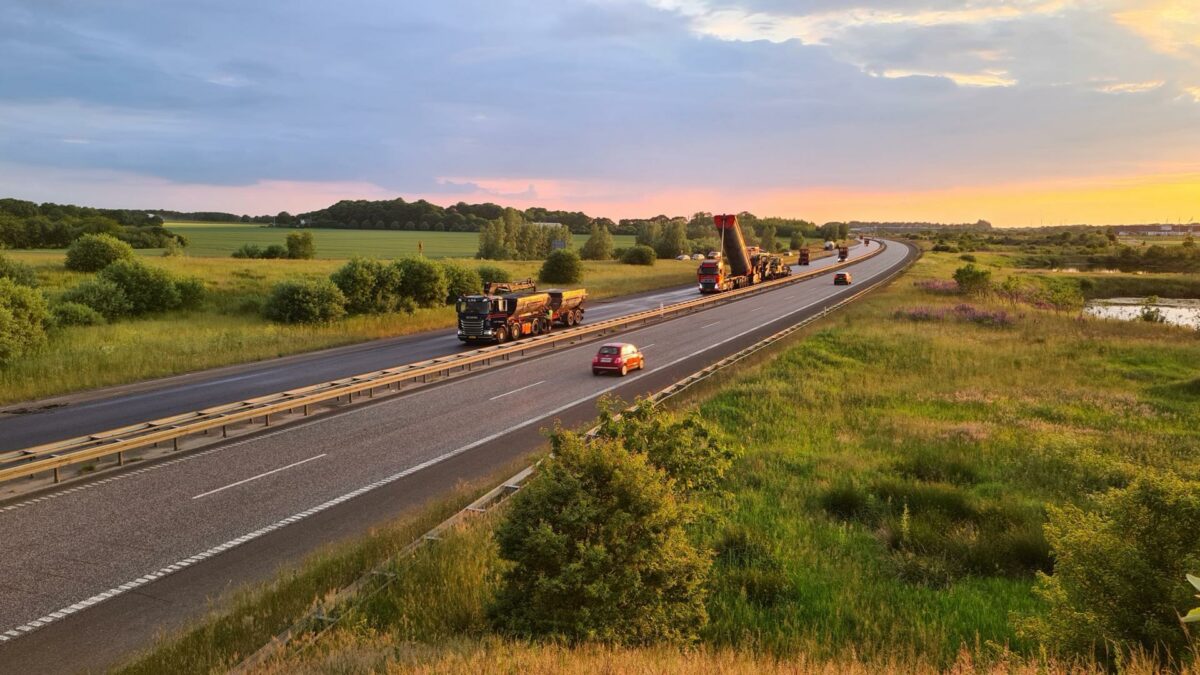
886	514
229	329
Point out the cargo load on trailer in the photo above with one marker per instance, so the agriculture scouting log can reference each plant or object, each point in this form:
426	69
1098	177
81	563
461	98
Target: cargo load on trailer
510	310
805	256
843	253
736	267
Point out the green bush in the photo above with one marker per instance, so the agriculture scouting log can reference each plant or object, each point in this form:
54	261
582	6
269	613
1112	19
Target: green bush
685	448
460	281
424	282
639	255
20	273
305	301
561	267
973	280
492	273
599	245
191	292
300	246
94	252
74	314
23	319
248	251
275	252
967	257
1119	570
370	286
599	552
102	295
148	289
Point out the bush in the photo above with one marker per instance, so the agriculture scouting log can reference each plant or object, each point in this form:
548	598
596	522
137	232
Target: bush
460	281
275	252
74	314
191	292
300	246
23	319
967	257
20	273
370	286
305	301
423	281
562	267
973	280
1119	570
248	251
599	245
492	273
94	252
102	295
639	255
148	289
599	552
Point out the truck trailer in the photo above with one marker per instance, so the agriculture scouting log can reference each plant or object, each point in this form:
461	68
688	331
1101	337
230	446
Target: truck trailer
736	268
512	310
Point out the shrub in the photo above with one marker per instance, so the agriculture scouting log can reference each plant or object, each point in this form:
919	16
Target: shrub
149	289
967	257
685	448
460	281
305	301
300	246
23	319
423	281
173	249
370	286
973	280
74	314
492	273
275	252
639	255
102	295
191	292
248	251
94	252
20	273
562	267
1118	570
599	552
938	286
599	245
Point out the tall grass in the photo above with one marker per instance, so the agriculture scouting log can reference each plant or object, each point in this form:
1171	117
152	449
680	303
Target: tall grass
229	328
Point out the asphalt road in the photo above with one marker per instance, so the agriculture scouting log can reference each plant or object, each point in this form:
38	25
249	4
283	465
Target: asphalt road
89	412
90	574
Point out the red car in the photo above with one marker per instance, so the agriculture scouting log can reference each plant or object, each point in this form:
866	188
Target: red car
618	357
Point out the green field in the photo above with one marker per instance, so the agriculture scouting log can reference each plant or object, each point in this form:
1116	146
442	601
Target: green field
885	516
222	239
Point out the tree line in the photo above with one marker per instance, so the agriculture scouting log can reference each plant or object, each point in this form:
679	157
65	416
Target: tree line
24	224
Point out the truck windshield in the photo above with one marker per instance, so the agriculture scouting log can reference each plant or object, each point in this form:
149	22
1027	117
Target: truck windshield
709	268
474	306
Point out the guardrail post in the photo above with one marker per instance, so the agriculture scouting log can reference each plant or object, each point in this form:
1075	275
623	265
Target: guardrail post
267	420
120	459
224	431
56	474
306	413
175	442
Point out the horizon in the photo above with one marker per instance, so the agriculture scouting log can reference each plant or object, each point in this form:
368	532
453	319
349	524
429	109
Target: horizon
1025	114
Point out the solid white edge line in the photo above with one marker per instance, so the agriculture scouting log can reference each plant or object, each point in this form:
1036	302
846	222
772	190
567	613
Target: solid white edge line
516	390
261	475
250	536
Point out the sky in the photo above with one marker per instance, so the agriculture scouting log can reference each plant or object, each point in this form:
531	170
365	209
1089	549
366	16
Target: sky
1020	112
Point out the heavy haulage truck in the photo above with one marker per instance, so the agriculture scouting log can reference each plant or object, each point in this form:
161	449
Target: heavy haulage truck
511	310
739	265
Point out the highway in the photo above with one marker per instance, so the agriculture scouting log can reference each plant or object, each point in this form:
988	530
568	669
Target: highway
29	424
89	574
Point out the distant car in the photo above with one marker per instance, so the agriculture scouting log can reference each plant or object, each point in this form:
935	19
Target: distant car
697	256
617	357
842	279
714	254
683	256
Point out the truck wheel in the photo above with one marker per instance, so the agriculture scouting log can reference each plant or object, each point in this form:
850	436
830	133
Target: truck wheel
501	335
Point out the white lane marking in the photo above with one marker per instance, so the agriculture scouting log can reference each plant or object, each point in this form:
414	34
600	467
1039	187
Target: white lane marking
261	475
649	345
250	536
516	390
711	324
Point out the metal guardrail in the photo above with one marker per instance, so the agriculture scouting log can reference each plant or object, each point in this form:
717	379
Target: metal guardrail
324	616
29	462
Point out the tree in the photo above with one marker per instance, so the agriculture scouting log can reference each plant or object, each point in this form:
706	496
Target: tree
23	320
305	301
647	233
300	246
599	551
639	255
1118	570
562	267
423	281
94	252
460	281
674	240
599	245
767	243
797	241
492	244
148	289
369	286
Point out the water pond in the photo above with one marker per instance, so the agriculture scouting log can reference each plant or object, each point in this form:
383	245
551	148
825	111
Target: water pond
1174	311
